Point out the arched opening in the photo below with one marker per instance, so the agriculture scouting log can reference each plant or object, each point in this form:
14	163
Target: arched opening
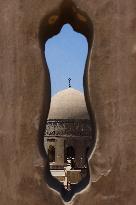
51	153
51	25
70	152
70	156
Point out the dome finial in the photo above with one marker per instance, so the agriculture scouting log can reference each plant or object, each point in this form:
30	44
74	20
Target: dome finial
69	82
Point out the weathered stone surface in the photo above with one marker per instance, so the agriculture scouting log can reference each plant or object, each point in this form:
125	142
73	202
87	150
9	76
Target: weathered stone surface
24	85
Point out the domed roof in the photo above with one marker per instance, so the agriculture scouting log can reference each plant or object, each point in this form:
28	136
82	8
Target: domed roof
68	104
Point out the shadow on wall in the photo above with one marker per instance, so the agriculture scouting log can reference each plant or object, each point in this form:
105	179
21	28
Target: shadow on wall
50	26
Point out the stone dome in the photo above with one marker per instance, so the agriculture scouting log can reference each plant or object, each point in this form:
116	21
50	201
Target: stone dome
68	104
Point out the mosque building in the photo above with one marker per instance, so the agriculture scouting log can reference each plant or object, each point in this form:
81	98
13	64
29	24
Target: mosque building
68	136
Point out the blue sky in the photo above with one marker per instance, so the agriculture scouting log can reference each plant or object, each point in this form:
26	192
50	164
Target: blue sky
66	56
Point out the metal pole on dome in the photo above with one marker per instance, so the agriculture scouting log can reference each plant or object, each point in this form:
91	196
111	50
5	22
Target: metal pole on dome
69	82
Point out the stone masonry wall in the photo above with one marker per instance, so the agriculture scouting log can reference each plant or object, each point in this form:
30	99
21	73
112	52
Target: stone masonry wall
112	91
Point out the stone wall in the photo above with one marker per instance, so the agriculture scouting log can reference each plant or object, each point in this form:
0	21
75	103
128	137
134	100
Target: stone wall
24	86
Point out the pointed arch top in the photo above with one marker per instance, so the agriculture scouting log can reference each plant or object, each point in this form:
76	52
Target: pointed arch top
67	12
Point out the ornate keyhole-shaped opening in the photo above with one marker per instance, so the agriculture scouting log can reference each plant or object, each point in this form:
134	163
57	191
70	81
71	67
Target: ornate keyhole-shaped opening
61	137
